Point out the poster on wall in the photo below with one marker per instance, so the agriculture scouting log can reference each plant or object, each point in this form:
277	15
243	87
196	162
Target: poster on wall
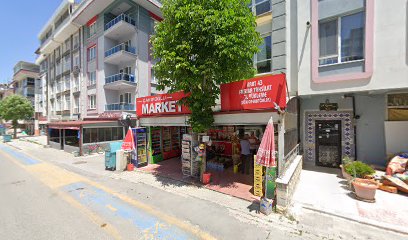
255	93
161	104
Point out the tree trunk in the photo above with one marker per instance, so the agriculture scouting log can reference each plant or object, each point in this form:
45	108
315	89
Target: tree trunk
15	123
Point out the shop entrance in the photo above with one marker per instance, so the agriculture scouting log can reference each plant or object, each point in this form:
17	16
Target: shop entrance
231	172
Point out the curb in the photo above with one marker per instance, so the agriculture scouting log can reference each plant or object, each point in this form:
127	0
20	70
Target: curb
368	222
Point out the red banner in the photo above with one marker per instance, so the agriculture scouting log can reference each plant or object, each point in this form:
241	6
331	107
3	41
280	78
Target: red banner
255	93
161	104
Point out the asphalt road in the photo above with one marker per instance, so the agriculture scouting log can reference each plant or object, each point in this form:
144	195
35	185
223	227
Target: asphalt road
39	200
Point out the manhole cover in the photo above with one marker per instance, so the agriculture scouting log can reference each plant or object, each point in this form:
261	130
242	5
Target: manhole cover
79	162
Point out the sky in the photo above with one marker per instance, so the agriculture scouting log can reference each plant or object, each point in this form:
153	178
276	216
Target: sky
21	21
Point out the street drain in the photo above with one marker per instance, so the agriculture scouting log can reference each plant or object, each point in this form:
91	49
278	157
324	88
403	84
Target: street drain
79	162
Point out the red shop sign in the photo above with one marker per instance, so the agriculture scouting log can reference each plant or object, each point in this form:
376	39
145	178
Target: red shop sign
255	93
161	104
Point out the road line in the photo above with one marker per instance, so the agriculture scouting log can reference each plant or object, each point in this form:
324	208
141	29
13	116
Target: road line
21	157
46	179
60	179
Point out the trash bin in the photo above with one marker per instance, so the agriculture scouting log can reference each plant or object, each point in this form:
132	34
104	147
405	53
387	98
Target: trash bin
6	138
110	160
110	155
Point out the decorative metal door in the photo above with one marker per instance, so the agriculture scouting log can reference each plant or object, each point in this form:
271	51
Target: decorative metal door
328	143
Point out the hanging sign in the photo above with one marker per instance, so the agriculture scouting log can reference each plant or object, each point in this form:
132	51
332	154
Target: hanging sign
255	93
328	106
161	104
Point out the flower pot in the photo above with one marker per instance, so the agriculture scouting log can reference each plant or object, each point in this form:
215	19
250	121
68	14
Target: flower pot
346	176
365	188
206	178
130	167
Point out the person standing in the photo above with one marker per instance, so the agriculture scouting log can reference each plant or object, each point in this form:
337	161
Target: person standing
254	143
245	154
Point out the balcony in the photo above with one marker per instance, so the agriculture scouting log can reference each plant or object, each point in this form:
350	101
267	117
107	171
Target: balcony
120	81
120	54
120	27
120	107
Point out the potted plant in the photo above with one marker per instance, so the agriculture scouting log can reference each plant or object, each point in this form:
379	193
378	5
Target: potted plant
365	189
345	161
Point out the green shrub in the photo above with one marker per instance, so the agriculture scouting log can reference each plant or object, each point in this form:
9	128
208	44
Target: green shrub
359	169
346	160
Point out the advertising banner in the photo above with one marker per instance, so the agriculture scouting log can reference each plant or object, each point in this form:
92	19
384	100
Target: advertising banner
161	104
255	93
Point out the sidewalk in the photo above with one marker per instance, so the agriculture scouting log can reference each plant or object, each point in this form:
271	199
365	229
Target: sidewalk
332	195
309	222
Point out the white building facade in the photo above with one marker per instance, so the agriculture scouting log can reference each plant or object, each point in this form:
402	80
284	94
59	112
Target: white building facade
352	80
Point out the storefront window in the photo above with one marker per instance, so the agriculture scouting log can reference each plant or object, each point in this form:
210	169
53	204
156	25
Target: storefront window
55	135
92	135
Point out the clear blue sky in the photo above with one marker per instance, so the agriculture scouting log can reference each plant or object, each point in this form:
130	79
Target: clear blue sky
21	22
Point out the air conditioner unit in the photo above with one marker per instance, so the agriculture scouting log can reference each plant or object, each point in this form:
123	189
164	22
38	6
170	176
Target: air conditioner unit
76	70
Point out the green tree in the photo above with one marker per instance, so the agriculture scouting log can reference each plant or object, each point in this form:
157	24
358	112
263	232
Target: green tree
201	44
14	108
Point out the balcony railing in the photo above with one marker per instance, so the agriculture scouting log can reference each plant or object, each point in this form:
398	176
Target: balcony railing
120	77
121	17
120	107
120	47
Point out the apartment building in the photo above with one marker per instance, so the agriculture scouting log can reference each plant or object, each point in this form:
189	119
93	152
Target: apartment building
97	60
353	79
26	83
5	91
60	61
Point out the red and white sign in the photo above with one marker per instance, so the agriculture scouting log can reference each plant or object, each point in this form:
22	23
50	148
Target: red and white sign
161	104
255	93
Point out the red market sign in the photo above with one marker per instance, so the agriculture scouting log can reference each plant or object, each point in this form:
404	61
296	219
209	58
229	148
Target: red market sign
161	104
255	93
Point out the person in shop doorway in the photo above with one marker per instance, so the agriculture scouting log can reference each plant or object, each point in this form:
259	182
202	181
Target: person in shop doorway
245	154
254	143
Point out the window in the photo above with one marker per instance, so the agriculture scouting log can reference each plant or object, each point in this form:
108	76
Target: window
92	102
126	70
125	98
263	59
92	78
76	59
92	29
259	7
342	39
76	41
92	135
67	45
153	79
397	107
91	53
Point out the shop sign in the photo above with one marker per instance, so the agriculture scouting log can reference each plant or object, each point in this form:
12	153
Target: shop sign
328	106
255	93
110	115
161	104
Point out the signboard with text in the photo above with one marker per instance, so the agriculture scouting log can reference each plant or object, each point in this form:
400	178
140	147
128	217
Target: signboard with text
255	93
161	104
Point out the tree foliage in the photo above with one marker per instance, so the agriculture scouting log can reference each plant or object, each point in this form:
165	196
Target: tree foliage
201	44
14	108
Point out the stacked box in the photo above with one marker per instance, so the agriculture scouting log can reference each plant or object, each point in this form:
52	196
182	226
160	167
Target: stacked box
258	179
